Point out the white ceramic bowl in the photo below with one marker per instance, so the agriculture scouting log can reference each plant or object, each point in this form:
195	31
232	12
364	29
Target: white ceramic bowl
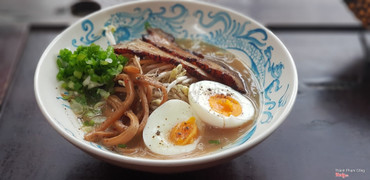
259	48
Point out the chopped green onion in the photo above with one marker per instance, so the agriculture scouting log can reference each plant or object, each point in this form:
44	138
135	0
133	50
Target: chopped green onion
77	74
214	141
89	123
147	25
103	93
88	69
122	145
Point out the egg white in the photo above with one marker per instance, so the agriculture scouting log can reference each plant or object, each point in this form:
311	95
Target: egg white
160	123
199	94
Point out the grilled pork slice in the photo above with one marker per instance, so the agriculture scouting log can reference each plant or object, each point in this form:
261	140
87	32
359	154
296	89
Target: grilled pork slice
144	49
218	70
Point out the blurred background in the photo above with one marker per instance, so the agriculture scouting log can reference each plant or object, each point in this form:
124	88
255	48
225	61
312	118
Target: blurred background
287	12
327	130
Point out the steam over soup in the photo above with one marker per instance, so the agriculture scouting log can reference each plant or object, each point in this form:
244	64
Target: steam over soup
159	97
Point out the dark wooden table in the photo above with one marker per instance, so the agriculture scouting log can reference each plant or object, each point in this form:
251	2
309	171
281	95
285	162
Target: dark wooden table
326	134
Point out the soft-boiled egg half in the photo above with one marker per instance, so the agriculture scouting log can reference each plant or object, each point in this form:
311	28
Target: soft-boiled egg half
172	129
219	105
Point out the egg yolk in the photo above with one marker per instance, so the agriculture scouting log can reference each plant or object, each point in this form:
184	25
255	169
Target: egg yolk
225	105
184	133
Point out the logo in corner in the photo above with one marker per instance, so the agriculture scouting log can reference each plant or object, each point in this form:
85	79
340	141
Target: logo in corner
342	175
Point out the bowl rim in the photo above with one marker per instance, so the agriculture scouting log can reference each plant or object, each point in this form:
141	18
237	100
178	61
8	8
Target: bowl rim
168	162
